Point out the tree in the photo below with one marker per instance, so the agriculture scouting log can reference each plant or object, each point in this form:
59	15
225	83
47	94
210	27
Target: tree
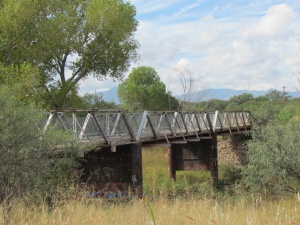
213	105
143	90
31	162
27	86
68	40
240	99
191	92
233	106
25	80
275	95
97	101
294	105
261	99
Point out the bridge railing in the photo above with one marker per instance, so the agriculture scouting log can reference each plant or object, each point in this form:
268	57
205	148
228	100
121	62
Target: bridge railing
116	127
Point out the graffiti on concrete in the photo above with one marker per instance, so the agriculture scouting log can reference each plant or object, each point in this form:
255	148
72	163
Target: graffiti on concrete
134	180
108	172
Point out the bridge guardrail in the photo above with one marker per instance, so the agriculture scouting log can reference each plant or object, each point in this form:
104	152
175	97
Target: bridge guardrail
116	127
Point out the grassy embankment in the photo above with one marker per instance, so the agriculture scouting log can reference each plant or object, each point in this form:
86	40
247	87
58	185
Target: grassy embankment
190	200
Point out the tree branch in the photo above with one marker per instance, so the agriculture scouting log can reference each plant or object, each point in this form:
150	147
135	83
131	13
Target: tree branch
76	73
63	66
54	66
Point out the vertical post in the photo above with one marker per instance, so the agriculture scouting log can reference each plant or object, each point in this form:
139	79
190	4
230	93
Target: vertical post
136	169
171	166
213	160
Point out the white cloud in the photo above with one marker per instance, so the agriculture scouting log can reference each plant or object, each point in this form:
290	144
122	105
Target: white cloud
276	23
188	7
92	85
144	7
234	45
224	53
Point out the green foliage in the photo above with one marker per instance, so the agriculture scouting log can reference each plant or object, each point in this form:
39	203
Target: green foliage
240	99
275	95
261	99
143	90
97	101
229	174
262	108
31	162
233	106
151	212
87	38
262	111
274	157
212	105
188	183
285	115
273	151
294	106
25	80
63	95
29	86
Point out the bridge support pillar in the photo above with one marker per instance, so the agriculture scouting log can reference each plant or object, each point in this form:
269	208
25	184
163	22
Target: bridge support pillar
136	170
194	155
171	166
114	174
213	160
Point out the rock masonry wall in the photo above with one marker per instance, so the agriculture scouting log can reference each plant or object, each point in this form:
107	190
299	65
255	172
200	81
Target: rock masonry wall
232	149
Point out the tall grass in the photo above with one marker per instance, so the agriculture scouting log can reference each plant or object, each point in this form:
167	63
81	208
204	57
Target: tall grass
157	183
176	211
189	200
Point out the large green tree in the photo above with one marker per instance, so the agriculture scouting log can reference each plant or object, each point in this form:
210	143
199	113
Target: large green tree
143	90
68	40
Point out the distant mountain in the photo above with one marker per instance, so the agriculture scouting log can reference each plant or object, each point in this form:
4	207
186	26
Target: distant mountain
111	95
226	94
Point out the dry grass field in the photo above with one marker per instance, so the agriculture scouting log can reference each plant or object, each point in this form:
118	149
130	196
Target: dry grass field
190	200
176	211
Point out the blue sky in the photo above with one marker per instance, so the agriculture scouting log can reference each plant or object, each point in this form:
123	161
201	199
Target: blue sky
224	44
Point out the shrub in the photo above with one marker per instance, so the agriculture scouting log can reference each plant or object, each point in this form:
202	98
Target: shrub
31	162
274	158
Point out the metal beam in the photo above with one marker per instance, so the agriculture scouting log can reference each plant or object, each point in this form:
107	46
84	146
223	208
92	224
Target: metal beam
99	127
141	126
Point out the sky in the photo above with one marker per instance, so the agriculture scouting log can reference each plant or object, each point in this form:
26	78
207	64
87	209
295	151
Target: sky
238	44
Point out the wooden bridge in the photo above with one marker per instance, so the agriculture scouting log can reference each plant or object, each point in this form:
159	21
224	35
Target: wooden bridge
115	138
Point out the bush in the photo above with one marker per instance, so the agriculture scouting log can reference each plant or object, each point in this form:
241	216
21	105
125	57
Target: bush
31	162
274	158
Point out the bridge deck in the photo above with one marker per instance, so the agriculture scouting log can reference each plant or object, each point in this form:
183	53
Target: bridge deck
112	128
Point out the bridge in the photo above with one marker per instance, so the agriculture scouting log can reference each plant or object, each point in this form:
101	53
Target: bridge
116	139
